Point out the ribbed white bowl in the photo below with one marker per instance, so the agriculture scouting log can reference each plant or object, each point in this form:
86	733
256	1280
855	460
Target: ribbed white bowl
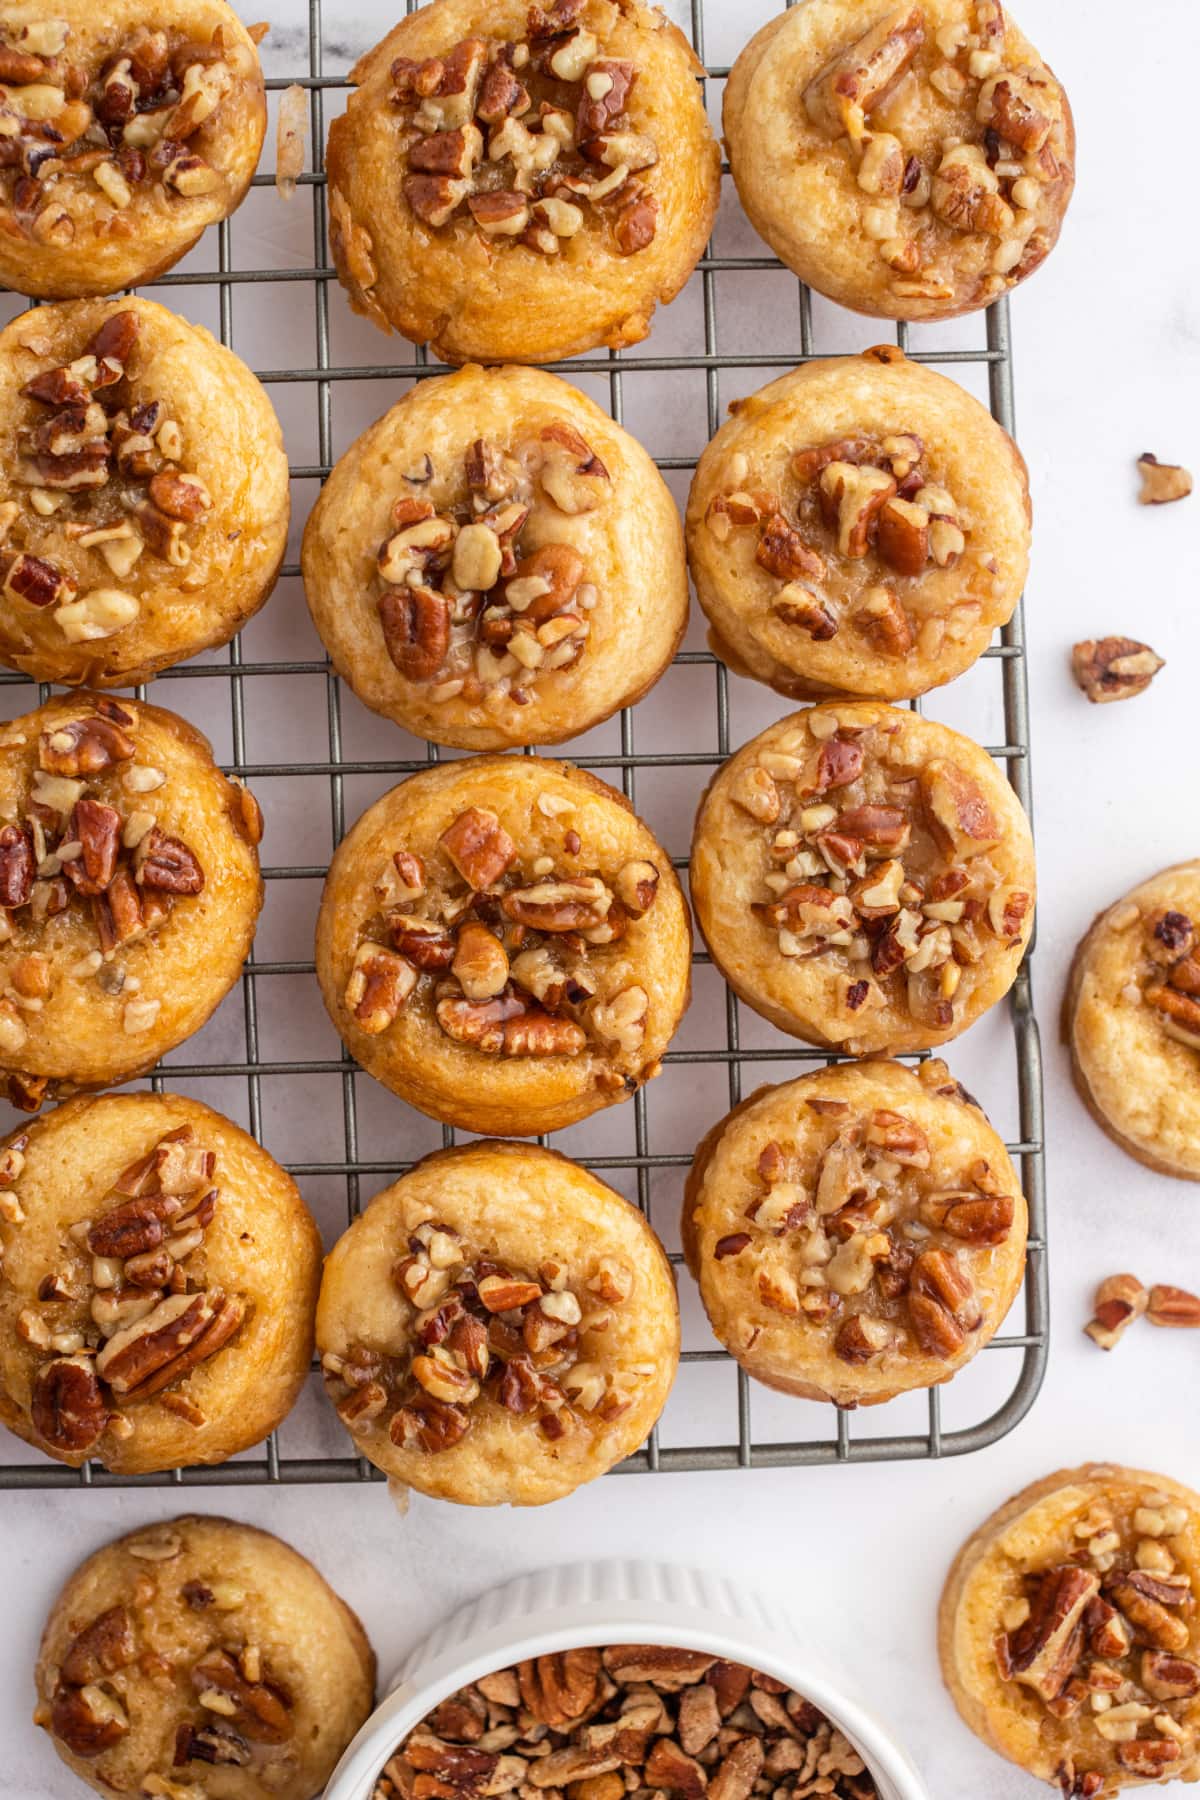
611	1603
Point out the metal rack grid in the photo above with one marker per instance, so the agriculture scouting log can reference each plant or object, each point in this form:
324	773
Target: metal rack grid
741	1449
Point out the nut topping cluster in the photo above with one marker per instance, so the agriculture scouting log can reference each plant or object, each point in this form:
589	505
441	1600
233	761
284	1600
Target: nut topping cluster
992	180
531	139
244	1715
103	473
879	1244
483	1331
509	966
129	1316
640	1719
108	133
881	862
869	503
1106	1636
463	606
69	847
1172	975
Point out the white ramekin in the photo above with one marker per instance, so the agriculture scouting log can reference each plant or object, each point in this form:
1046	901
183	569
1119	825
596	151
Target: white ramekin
611	1603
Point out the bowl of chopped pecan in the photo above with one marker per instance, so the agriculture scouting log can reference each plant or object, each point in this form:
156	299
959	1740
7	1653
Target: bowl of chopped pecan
598	1680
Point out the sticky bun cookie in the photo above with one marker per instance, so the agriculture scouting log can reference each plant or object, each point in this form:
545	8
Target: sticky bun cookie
504	944
143	492
864	878
129	891
913	161
159	1282
1068	1631
1132	1021
860	526
498	1326
202	1657
125	131
517	184
496	562
857	1233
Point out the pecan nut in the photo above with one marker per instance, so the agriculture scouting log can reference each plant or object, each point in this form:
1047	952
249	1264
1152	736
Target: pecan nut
1114	668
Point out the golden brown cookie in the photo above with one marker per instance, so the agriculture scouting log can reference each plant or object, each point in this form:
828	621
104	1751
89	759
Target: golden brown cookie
1068	1632
1131	1020
143	492
504	944
498	1326
495	562
513	184
132	126
860	526
864	878
856	1233
911	160
158	1284
202	1657
129	891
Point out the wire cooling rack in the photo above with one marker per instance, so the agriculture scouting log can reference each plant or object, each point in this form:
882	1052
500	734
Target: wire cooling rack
641	1165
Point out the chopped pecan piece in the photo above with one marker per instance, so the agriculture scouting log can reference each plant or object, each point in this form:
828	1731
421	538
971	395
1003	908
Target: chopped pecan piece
959	814
1162	482
480	1024
1173	1306
636	222
380	982
102	1647
98	829
37	582
606	87
261	1712
479	847
1011	103
133	1359
1151	1758
852	496
783	552
903	535
424	943
1120	1299
845	92
974	1219
87	1720
796	605
429	1424
860	1338
1114	668
883	620
134	1227
434	198
18	866
939	1295
578	903
1145	1600
839	763
84	746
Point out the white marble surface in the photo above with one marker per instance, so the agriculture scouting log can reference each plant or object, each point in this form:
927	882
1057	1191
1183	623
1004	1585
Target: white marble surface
1107	343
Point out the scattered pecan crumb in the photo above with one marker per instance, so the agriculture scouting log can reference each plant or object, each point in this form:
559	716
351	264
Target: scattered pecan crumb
1162	482
1114	668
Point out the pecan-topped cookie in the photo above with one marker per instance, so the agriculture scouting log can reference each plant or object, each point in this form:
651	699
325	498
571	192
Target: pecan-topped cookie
864	878
859	526
504	944
158	1284
1131	1019
519	183
495	562
910	160
124	131
132	530
857	1233
498	1326
129	891
1068	1631
202	1657
672	1721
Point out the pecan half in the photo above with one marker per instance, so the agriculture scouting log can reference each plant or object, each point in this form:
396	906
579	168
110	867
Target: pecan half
67	1408
167	864
1114	668
972	1218
1167	1677
98	829
1145	1600
136	1226
579	903
1173	1306
783	552
939	1294
416	630
141	1358
1043	1652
